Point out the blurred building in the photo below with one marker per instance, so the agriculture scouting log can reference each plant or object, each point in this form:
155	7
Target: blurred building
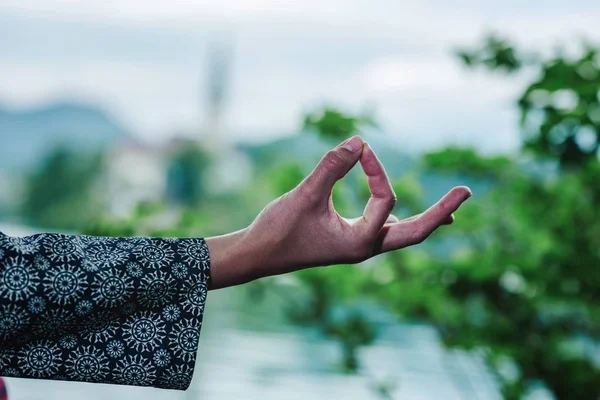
134	173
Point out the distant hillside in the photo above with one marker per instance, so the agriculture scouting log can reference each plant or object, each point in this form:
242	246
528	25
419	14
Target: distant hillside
26	135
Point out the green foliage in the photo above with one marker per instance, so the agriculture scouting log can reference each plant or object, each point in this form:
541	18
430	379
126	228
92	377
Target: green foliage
494	53
466	161
560	110
59	194
566	102
334	125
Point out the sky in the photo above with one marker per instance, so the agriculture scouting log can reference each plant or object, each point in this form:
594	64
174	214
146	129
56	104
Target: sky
146	62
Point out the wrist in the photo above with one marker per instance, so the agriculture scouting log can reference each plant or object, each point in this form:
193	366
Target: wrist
231	259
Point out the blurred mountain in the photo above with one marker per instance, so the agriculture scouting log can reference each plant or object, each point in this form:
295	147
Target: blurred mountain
27	135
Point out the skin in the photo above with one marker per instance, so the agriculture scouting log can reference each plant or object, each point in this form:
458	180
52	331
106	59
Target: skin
301	229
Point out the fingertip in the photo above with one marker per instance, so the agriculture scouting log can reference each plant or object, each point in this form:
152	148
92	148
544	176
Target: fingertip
354	144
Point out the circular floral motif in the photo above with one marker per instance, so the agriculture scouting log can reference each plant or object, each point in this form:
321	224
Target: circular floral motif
87	240
39	359
11	372
68	341
145	332
154	253
22	245
134	269
89	265
158	289
193	251
41	262
115	348
194	296
101	327
84	307
36	305
171	312
104	256
162	358
17	279
87	364
64	284
12	320
177	377
111	288
63	248
179	270
135	370
184	339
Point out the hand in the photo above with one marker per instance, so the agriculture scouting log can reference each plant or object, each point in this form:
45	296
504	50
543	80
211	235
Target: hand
301	229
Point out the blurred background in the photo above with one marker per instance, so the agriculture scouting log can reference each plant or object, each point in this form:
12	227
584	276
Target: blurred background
186	118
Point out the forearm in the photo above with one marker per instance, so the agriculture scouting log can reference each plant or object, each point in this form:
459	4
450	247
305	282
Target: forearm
232	259
243	256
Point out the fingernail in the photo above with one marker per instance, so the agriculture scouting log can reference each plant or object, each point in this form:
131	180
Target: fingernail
354	144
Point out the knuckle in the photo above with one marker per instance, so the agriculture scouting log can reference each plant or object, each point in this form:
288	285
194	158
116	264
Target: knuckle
391	200
306	194
333	159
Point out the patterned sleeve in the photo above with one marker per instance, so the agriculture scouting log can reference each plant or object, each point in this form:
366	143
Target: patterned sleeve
102	309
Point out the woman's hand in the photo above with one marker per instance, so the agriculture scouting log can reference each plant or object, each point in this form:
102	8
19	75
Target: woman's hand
301	229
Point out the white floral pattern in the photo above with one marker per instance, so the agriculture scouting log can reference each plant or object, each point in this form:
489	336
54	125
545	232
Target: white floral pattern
12	320
135	370
36	305
101	309
111	288
161	358
155	254
84	307
184	339
23	245
87	364
63	248
39	359
193	296
64	284
144	332
158	289
103	256
177	377
115	348
171	312
194	251
18	279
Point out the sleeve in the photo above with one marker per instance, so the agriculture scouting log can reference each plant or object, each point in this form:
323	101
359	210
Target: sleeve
102	309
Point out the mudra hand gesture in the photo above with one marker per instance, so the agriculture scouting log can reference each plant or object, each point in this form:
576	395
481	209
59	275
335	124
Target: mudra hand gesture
301	228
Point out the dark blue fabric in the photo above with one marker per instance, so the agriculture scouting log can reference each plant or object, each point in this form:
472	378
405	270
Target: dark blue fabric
102	309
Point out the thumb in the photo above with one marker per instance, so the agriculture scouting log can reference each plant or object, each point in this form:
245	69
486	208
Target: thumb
334	165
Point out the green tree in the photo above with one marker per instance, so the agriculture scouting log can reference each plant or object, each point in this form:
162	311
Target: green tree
59	193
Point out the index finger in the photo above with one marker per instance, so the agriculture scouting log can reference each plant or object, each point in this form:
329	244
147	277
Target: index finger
383	198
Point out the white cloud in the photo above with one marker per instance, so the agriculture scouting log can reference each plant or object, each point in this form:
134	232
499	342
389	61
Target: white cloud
145	59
